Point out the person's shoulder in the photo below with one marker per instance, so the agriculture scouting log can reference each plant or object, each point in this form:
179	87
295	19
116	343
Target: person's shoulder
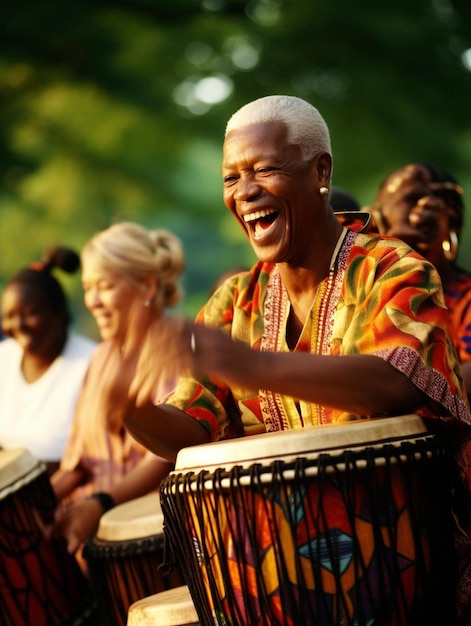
9	346
103	351
11	355
389	252
79	345
371	241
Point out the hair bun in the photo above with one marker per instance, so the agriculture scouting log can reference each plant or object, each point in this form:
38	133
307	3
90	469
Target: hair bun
62	257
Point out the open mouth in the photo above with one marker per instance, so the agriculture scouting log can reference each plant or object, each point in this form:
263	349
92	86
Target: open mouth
102	321
260	221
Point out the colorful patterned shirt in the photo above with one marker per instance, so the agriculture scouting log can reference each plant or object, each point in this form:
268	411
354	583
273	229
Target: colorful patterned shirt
458	301
379	298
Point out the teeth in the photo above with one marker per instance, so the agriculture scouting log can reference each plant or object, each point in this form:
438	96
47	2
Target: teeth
256	215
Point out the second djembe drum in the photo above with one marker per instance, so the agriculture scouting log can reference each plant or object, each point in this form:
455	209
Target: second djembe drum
124	557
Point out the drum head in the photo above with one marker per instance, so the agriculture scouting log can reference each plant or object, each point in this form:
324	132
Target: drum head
17	468
141	517
173	607
291	444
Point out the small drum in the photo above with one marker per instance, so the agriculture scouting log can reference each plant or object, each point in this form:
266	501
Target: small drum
339	524
124	557
173	607
40	583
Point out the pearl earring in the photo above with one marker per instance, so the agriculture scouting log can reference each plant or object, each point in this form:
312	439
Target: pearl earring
324	191
146	302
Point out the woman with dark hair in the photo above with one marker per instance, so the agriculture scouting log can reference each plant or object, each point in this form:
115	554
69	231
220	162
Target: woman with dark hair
42	362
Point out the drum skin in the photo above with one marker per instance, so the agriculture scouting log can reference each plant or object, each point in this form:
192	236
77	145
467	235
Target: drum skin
40	583
335	525
173	607
124	557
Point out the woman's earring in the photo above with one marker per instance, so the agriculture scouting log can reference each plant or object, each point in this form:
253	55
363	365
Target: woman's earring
146	302
450	247
324	191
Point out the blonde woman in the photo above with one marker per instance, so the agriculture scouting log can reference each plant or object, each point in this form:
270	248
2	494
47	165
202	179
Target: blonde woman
130	276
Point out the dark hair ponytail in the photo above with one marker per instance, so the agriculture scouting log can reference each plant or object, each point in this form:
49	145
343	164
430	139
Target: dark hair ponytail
39	275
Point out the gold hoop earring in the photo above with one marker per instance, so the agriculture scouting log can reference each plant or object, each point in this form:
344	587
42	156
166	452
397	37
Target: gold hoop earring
324	191
450	247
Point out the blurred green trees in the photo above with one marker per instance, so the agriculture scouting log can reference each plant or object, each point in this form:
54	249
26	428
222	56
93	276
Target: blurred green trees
115	110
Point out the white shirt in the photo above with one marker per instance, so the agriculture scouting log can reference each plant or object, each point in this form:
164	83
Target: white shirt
37	416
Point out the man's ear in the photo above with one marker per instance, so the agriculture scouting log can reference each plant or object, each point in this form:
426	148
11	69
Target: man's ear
324	168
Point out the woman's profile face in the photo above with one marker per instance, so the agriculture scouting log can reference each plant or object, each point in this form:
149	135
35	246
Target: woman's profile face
110	297
29	318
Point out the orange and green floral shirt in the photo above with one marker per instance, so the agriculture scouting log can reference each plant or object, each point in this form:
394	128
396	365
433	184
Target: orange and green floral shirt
380	298
458	301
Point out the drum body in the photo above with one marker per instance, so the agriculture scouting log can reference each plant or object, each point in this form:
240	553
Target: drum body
332	525
40	583
173	607
124	557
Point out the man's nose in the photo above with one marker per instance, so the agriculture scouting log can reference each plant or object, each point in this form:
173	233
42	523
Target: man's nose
247	187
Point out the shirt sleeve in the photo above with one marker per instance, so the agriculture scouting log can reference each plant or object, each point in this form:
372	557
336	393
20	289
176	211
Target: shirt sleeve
403	319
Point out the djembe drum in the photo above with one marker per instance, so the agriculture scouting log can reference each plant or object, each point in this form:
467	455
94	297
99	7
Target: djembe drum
40	583
346	524
124	557
173	607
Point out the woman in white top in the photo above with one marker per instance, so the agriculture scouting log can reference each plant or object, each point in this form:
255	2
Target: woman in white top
42	363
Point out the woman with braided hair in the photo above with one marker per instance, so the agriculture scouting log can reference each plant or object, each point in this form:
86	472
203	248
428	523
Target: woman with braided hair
130	277
42	362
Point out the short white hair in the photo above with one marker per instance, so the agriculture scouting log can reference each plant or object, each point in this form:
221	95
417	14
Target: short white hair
306	126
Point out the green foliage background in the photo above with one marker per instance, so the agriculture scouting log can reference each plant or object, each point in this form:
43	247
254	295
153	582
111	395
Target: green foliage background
115	110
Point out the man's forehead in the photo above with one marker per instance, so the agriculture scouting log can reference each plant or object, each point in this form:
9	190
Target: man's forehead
258	141
249	133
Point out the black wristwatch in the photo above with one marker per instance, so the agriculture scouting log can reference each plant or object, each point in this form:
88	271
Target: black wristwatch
105	500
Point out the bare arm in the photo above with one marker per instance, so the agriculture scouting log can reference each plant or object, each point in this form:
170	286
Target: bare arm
164	429
358	384
142	479
80	521
65	481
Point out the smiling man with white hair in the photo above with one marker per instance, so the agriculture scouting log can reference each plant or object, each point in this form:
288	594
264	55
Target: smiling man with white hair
330	325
